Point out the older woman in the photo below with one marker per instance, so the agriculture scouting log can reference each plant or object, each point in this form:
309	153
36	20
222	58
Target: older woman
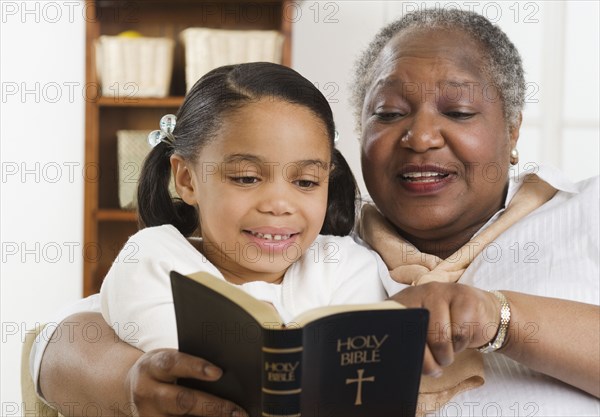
439	98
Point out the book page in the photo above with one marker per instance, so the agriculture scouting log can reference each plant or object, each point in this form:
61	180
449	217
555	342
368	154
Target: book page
320	312
263	312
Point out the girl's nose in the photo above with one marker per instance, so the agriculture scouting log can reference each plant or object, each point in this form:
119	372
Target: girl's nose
277	199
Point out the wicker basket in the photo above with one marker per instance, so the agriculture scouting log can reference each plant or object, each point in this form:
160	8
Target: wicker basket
206	49
132	149
134	67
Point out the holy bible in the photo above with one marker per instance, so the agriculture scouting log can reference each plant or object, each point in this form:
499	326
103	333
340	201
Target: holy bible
334	361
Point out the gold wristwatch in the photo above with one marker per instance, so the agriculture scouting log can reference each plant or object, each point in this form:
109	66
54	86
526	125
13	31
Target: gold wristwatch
501	336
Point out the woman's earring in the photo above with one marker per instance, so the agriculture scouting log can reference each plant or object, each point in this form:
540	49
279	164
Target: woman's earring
514	156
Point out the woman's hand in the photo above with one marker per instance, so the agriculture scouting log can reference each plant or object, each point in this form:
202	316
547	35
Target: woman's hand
151	384
557	337
460	317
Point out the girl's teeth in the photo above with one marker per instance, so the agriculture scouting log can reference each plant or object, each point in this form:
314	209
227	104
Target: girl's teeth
269	236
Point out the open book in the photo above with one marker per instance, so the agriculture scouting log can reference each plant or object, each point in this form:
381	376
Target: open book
343	361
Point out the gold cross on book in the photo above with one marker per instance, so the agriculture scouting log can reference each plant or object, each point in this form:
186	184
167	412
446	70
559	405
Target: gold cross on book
359	380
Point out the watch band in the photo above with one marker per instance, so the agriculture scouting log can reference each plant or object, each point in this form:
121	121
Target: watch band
500	339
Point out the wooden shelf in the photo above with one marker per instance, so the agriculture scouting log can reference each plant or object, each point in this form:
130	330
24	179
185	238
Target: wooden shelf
116	215
174	101
106	226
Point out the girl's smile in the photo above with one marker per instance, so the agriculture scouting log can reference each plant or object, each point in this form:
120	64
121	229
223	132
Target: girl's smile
273	242
261	189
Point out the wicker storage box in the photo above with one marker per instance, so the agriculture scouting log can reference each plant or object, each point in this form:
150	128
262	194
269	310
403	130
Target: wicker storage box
132	148
134	67
206	49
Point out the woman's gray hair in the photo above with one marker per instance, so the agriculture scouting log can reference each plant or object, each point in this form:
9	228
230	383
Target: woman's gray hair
503	66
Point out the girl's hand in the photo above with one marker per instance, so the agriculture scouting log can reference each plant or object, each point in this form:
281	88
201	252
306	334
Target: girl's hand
460	317
151	386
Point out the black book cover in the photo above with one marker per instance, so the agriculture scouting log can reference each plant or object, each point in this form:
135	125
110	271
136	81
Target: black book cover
334	361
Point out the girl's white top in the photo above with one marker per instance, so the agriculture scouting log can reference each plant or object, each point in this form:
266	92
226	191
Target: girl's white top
136	296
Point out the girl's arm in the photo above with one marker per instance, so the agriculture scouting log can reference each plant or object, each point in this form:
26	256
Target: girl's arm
106	376
559	338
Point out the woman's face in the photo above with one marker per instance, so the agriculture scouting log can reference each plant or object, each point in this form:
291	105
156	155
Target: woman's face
435	145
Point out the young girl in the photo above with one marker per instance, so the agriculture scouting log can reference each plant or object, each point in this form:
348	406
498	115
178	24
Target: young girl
266	203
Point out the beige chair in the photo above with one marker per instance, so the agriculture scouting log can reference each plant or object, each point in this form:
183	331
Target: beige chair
33	406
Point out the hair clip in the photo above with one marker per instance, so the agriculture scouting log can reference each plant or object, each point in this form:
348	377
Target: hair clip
165	134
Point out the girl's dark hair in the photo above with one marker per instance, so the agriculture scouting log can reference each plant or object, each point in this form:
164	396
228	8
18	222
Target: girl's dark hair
199	119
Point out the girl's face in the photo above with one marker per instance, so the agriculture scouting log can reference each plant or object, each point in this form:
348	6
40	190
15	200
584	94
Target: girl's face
261	189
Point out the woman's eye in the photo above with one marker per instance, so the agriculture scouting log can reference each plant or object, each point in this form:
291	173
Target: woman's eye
245	180
306	184
386	116
459	115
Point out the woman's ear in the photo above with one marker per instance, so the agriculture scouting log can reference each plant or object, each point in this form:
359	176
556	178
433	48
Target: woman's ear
514	131
184	181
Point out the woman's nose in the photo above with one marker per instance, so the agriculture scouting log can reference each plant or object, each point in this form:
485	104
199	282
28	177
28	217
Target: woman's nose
423	133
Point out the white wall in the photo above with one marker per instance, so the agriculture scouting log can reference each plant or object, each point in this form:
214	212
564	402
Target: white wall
559	43
42	131
42	150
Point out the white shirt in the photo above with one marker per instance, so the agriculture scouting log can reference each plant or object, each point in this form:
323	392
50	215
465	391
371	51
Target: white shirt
136	297
553	252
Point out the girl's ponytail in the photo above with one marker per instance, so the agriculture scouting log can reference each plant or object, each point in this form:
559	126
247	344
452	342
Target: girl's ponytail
342	197
155	204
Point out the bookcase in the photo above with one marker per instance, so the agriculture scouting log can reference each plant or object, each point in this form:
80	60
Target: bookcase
106	225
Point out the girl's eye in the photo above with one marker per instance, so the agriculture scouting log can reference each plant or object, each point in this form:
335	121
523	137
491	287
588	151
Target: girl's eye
306	184
459	115
245	180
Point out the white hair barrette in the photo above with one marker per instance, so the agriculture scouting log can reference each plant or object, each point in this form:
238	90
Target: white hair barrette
165	134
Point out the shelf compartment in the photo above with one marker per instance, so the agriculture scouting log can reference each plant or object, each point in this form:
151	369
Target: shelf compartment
174	102
116	215
107	227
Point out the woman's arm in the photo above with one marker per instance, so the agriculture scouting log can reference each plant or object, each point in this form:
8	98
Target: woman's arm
559	338
106	376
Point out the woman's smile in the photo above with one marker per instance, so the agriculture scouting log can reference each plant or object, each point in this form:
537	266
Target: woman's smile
424	154
425	179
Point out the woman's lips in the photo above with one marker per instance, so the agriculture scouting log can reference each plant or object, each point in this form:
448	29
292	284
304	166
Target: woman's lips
427	176
425	179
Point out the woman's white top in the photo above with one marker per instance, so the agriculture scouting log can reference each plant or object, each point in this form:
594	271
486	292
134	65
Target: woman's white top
552	252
